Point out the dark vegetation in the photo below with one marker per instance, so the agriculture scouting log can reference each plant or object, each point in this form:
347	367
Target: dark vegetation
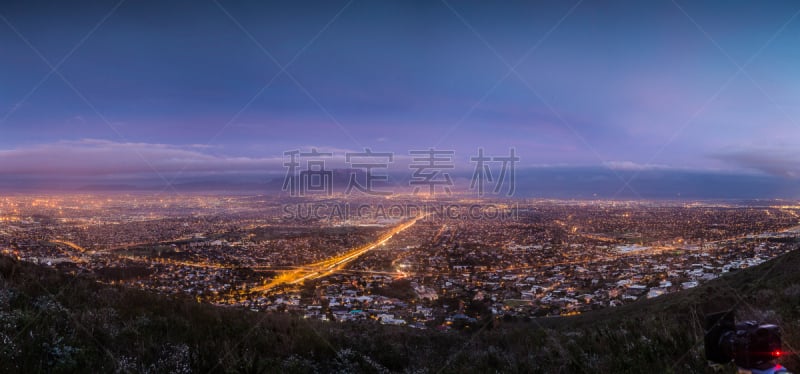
54	322
398	289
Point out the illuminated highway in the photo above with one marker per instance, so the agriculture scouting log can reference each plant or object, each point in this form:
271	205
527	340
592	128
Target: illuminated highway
331	265
69	244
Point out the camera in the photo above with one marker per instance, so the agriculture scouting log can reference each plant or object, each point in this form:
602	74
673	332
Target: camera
750	345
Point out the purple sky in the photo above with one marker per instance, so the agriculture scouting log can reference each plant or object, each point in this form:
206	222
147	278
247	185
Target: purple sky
146	90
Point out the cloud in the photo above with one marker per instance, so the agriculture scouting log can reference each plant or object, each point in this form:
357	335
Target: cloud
95	157
632	166
90	158
777	161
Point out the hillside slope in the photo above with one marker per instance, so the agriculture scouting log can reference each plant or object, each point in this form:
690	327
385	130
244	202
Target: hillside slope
52	322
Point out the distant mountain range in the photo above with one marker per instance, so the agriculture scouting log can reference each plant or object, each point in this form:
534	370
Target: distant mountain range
547	182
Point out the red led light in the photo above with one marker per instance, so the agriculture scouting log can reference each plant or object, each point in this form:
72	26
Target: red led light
776	353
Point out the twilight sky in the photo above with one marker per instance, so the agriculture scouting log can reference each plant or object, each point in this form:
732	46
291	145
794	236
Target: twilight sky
161	90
